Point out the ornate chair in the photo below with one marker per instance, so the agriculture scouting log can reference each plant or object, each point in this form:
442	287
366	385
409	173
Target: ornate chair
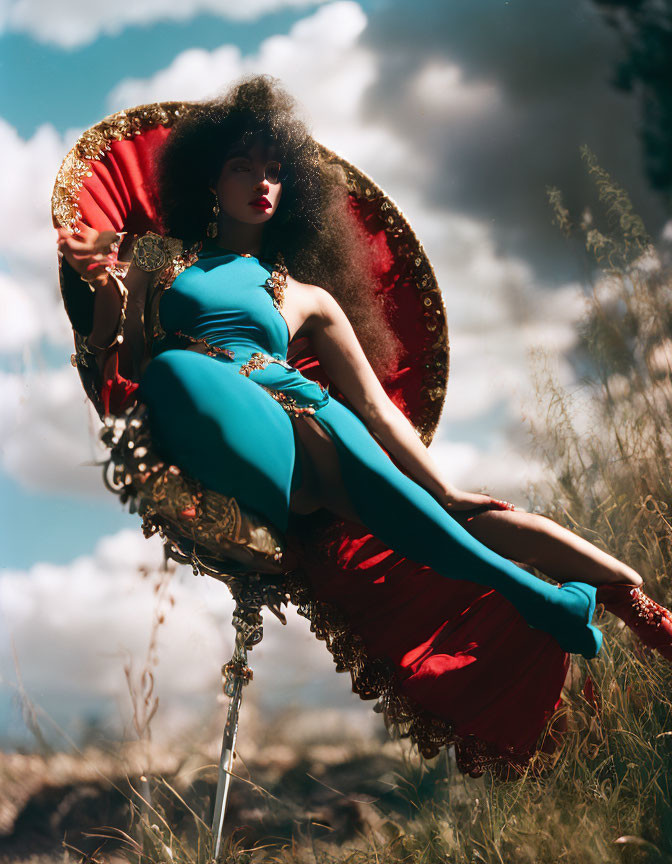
104	183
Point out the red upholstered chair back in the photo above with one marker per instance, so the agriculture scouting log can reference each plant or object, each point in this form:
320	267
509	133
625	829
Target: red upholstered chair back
105	182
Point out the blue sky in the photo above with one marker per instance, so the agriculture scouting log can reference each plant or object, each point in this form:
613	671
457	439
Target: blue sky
462	123
36	95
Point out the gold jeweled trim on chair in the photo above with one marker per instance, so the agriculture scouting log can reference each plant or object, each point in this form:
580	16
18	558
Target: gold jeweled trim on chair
403	242
178	507
374	678
92	146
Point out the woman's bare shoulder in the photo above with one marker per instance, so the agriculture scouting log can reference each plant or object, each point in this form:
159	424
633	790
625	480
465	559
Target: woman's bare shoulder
306	292
303	305
308	287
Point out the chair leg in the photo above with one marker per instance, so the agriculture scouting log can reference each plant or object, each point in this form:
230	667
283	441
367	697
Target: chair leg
236	674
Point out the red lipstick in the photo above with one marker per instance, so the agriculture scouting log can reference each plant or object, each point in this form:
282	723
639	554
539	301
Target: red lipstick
261	203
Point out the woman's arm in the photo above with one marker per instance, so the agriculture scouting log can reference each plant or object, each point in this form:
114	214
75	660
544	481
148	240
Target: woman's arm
343	359
118	312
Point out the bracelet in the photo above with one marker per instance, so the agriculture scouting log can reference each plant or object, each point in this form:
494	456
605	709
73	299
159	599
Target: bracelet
114	248
115	275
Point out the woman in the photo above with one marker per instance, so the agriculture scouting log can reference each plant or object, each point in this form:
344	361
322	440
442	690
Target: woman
240	185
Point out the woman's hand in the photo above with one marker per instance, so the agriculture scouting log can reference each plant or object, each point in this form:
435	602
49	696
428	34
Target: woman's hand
456	499
90	253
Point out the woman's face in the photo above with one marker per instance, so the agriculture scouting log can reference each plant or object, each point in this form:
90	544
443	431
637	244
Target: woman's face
249	187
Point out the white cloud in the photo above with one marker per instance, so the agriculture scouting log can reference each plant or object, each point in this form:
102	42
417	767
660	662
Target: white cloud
20	317
28	240
27	174
498	470
74	626
440	87
48	431
319	61
193	74
69	25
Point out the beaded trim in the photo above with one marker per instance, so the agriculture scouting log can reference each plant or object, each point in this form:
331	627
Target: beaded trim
213	350
259	360
647	608
277	282
434	356
182	511
256	361
94	144
289	403
375	678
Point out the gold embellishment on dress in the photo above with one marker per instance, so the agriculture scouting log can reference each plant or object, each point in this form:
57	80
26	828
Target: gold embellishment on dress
256	361
259	360
289	403
149	252
213	350
178	260
277	282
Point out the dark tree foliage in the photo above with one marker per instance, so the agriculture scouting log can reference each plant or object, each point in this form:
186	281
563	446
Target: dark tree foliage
646	29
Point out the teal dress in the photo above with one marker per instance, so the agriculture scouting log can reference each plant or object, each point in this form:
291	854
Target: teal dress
226	418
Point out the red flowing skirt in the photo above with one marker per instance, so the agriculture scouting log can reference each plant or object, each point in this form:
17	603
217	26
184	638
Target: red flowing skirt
451	662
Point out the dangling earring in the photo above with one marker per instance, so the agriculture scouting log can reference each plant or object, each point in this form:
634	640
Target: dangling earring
213	226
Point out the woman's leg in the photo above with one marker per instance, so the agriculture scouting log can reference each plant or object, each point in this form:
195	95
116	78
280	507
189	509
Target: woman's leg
222	430
321	485
534	539
525	537
408	519
528	538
